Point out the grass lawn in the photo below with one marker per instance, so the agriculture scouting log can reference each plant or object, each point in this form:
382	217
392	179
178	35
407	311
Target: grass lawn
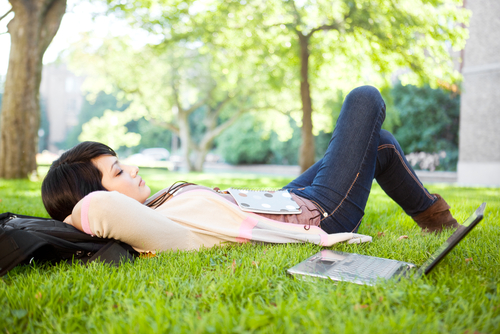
245	288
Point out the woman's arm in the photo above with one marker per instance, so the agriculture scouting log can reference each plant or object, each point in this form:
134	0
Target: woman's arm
74	218
114	215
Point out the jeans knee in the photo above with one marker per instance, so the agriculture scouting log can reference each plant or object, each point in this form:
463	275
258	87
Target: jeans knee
365	93
368	96
387	138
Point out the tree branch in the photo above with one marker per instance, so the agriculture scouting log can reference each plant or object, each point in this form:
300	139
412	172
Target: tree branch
51	22
221	105
4	15
284	112
298	19
166	125
333	26
210	135
197	104
176	97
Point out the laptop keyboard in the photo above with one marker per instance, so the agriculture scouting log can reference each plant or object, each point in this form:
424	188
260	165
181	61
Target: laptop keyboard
364	268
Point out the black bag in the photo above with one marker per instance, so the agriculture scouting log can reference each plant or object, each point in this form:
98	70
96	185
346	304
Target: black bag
26	238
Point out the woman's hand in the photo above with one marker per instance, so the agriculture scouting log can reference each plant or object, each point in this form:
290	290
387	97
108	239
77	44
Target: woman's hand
74	219
68	220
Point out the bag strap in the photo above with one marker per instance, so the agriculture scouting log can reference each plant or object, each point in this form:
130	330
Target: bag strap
114	253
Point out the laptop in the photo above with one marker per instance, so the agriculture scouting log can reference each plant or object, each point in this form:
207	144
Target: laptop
367	270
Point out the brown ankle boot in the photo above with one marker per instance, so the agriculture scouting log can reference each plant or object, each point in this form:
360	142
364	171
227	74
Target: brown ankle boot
436	217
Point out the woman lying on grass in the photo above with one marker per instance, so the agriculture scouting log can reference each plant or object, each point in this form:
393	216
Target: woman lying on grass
90	189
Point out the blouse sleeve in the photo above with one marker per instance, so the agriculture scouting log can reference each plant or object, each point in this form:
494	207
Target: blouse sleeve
114	215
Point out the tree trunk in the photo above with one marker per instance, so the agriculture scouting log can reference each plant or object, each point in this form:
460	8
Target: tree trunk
199	160
32	29
186	141
213	130
306	153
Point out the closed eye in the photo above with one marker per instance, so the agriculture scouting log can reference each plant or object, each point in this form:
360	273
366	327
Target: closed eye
121	171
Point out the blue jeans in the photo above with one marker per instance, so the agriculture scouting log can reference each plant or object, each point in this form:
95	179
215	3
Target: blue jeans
358	152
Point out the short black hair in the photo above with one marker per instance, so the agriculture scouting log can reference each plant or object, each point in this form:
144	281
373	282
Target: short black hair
72	177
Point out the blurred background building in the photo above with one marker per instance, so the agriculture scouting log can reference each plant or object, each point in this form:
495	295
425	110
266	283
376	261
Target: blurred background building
62	98
479	148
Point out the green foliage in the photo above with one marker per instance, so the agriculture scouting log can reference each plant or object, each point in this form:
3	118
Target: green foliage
93	106
250	141
429	121
267	141
350	43
110	129
96	104
151	135
244	142
359	39
245	288
392	116
193	94
286	152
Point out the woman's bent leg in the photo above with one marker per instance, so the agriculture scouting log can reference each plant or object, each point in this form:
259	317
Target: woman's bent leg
341	181
396	177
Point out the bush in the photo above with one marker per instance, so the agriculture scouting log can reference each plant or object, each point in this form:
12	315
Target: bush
90	110
151	134
429	122
244	142
286	152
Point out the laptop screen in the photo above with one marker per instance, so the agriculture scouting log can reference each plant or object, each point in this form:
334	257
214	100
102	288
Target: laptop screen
452	241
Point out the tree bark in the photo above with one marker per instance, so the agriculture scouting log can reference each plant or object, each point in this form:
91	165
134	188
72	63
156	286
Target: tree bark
306	156
186	142
213	130
199	159
32	29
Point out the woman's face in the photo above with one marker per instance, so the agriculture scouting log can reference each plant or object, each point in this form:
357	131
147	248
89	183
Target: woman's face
122	178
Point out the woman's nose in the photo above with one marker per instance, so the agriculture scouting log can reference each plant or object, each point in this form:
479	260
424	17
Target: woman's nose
134	170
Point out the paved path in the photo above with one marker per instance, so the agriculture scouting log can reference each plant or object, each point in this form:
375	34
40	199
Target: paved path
291	171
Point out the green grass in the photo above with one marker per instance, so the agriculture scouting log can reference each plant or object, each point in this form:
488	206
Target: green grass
245	288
